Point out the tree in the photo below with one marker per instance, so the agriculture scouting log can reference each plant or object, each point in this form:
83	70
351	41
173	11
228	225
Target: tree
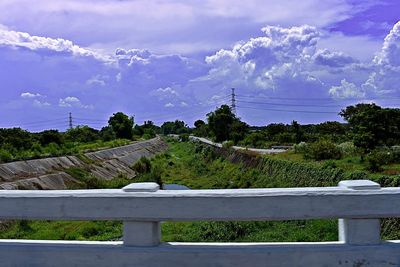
82	134
51	136
107	134
199	123
122	125
372	125
201	128
298	133
224	125
174	127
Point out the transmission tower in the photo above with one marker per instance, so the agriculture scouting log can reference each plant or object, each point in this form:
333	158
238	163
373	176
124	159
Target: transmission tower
70	120
233	101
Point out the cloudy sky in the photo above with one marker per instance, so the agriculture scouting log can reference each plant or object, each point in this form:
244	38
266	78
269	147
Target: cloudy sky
178	59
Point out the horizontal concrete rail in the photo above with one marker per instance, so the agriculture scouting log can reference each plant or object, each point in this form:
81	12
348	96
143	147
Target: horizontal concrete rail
199	205
357	204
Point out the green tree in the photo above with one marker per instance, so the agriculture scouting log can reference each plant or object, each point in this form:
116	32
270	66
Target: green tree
174	127
122	125
298	133
372	125
224	125
82	134
51	136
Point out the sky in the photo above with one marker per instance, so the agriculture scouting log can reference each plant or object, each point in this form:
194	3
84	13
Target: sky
178	59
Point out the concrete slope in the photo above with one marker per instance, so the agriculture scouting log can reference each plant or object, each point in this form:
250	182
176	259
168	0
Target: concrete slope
48	173
256	150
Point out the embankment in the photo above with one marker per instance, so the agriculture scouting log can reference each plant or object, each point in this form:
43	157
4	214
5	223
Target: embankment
286	173
49	173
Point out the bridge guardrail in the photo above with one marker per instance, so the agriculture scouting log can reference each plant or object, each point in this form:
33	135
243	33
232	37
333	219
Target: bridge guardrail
358	205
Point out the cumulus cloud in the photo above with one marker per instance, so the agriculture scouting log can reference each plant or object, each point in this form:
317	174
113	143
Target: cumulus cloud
30	95
72	101
25	40
346	90
332	59
169	105
97	80
279	59
40	104
385	74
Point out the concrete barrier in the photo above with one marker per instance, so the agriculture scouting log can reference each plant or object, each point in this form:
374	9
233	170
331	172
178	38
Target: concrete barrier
358	204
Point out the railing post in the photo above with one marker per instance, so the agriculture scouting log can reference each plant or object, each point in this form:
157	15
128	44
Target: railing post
359	231
141	233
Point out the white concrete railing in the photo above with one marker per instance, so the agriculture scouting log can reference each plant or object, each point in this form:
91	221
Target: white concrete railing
358	204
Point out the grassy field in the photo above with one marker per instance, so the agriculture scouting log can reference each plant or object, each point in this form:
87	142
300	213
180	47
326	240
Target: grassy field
197	167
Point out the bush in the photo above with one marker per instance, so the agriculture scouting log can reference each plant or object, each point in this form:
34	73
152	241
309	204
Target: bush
300	148
323	149
348	148
376	159
5	156
357	175
227	144
184	137
143	165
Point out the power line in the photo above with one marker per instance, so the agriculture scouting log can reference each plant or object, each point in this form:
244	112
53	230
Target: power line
284	104
286	110
315	99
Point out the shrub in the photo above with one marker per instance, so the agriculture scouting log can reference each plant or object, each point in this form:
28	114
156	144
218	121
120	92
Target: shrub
348	148
143	165
5	156
300	147
323	149
227	144
357	175
184	137
376	159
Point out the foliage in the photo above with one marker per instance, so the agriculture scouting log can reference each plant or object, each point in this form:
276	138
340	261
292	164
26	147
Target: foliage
348	148
51	136
254	139
224	125
227	144
143	165
323	149
174	127
122	125
82	134
372	125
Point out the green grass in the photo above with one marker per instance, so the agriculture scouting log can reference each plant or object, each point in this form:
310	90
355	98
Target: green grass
348	163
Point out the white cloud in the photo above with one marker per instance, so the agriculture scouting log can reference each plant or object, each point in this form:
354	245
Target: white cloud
40	104
25	40
30	95
72	101
169	105
183	104
161	25
97	80
346	90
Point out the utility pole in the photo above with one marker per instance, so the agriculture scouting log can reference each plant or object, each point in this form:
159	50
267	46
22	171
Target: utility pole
70	120
233	101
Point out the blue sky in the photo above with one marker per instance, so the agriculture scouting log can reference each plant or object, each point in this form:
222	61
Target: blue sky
178	59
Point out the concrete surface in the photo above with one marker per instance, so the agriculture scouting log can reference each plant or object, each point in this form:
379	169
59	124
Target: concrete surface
106	254
256	150
48	173
201	205
143	211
